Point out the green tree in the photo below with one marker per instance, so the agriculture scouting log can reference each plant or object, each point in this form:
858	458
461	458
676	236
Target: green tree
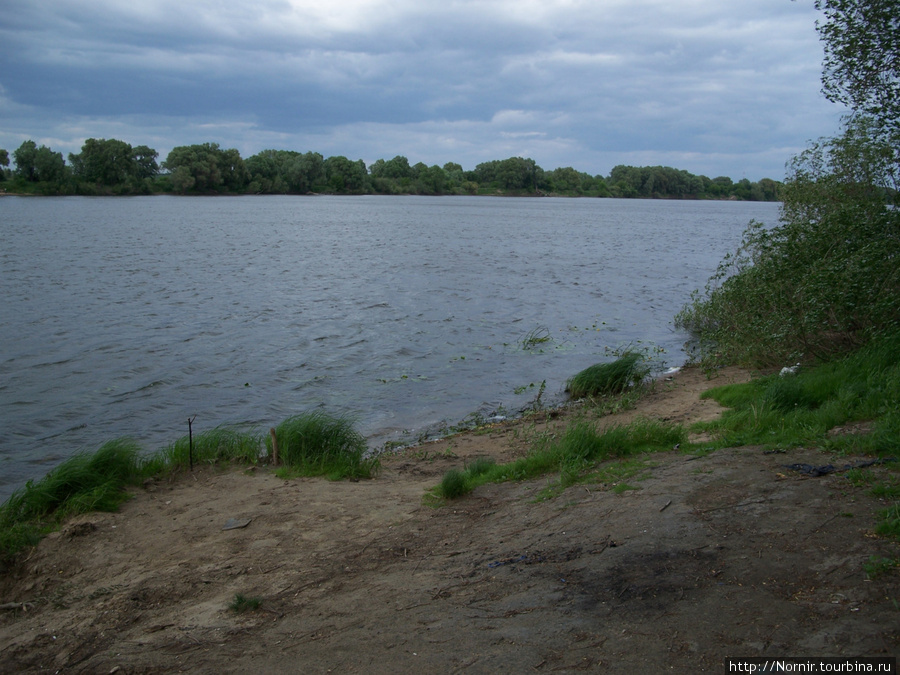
39	163
862	57
344	175
305	171
206	167
431	180
144	158
4	162
823	281
106	162
565	180
24	157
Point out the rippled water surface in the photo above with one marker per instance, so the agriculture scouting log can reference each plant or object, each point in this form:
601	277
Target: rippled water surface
127	316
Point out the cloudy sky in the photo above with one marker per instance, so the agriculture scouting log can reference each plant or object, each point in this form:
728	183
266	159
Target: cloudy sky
716	87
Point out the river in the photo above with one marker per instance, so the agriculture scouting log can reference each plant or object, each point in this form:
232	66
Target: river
125	316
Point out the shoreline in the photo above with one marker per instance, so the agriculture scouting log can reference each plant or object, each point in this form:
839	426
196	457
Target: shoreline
695	559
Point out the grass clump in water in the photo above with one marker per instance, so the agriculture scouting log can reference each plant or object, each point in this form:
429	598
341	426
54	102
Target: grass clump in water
607	379
317	444
535	338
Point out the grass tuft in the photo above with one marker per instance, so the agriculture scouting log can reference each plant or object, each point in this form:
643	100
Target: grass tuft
607	379
536	337
317	444
85	482
454	484
242	603
221	444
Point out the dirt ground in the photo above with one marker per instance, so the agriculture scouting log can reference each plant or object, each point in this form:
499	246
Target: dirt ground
728	554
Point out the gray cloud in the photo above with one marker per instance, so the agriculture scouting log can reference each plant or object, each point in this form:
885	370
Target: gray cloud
713	87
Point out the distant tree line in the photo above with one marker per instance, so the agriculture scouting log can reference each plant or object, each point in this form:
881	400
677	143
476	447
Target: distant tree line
112	167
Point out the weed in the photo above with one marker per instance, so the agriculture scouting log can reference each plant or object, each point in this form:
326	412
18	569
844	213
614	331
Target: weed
479	466
535	337
222	443
242	603
877	567
573	453
890	522
82	483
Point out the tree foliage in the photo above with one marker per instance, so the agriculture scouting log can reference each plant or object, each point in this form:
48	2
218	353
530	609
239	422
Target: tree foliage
113	163
826	279
205	168
861	68
35	163
112	166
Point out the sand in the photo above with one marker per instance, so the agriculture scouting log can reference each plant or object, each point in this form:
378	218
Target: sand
724	555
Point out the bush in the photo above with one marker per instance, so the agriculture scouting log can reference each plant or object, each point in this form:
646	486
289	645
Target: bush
826	280
605	379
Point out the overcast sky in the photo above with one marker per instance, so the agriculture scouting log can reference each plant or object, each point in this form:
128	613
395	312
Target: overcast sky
717	87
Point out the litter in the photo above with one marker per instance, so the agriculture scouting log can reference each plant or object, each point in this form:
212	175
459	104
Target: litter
236	523
826	469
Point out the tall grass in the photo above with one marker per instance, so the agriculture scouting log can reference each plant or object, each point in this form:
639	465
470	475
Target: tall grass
607	379
311	444
221	444
83	483
317	444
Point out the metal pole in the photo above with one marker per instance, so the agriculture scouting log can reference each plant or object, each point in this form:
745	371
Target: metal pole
191	442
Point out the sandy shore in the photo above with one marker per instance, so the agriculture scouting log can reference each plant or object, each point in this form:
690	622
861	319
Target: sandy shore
730	554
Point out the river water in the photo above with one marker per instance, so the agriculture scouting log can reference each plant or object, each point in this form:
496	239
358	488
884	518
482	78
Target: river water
127	316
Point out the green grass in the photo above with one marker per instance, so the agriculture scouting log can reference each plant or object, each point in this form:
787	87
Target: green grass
317	444
312	444
221	444
799	410
535	338
86	482
877	567
608	379
242	603
573	454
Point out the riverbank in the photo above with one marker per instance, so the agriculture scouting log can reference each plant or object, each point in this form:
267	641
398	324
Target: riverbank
672	561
